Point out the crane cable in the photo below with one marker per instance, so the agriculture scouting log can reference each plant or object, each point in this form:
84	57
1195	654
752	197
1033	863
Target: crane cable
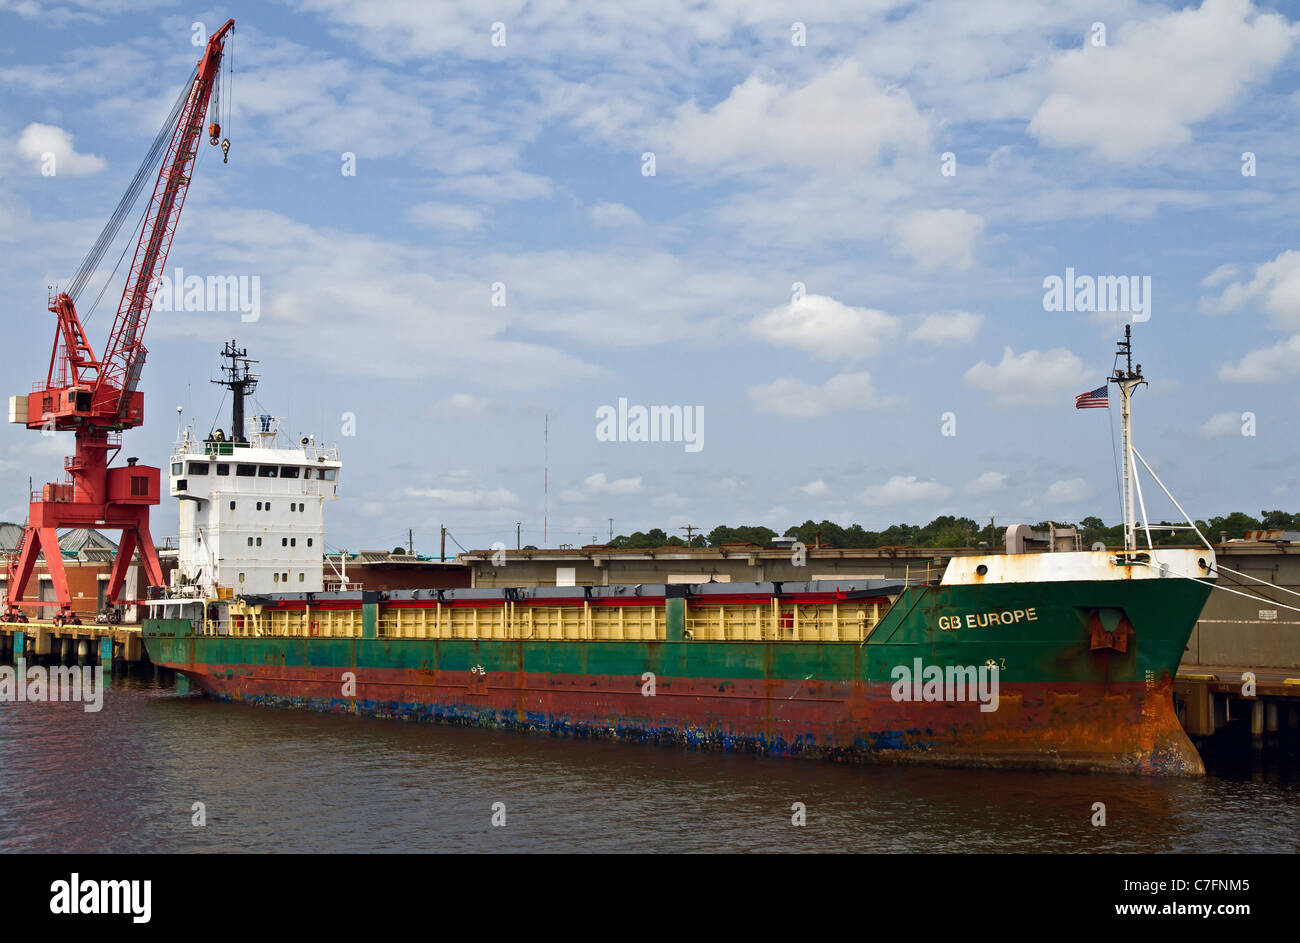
90	264
85	318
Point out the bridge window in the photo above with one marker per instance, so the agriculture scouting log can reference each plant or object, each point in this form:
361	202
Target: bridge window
177	468
198	468
223	469
266	471
289	471
327	474
246	471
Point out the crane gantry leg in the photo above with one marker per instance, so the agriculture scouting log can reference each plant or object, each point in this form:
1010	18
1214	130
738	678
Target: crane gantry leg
44	541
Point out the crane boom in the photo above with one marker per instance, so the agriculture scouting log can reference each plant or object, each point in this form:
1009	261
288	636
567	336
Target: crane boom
120	369
96	398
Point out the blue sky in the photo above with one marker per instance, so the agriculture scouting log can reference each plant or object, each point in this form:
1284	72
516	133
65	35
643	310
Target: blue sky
775	164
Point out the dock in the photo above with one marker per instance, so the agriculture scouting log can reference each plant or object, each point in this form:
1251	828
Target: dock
1213	698
120	644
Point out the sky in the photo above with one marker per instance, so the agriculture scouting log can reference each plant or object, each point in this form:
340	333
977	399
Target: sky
827	231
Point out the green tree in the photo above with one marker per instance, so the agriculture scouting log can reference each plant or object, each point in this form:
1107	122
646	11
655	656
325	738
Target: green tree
1234	526
1279	520
723	534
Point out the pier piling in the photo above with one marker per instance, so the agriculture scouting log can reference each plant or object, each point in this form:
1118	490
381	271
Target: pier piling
106	656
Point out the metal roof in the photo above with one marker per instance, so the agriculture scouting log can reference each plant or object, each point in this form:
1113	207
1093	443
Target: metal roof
10	534
74	541
83	538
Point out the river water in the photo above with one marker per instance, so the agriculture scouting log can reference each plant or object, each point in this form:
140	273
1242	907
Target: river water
126	779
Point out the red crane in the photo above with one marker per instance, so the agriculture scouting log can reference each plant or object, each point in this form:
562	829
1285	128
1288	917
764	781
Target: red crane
97	397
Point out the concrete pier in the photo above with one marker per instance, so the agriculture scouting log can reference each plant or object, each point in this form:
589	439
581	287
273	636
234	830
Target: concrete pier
1213	700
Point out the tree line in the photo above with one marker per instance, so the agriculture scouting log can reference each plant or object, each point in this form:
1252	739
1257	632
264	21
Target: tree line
949	531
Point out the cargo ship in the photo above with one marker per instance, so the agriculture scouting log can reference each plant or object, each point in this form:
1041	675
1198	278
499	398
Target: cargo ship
1057	660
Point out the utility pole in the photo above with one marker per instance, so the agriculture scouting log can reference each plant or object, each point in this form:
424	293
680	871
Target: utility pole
689	528
442	552
410	541
611	530
518	542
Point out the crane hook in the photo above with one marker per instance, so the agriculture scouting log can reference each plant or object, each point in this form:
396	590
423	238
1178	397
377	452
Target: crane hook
225	151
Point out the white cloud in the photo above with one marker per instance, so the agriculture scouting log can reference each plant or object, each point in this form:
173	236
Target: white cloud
460	404
1222	424
1266	365
939	238
466	497
600	484
39	140
454	216
1275	287
501	187
1154	79
618	297
795	398
987	483
815	489
356	293
1219	275
1068	491
904	489
827	328
294	99
954	327
840	120
612	215
1032	378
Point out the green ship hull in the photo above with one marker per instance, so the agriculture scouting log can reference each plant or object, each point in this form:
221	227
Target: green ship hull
1001	668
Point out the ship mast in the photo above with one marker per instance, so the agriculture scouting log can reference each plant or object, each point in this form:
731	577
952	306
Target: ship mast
1128	380
241	383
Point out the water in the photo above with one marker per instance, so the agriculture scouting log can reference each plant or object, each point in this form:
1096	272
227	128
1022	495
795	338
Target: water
125	780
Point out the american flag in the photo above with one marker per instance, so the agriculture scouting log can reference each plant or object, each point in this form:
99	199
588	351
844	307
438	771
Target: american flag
1097	399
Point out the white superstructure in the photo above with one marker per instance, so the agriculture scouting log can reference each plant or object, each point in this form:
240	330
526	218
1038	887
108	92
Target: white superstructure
251	512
